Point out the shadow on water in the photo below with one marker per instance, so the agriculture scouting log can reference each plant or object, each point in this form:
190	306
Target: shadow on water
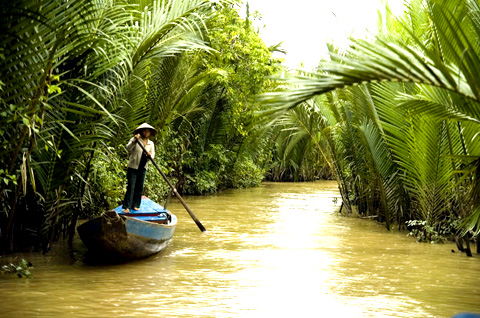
90	258
97	259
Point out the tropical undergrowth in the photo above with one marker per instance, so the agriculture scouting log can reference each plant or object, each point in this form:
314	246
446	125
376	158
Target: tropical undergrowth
398	120
394	119
22	269
79	77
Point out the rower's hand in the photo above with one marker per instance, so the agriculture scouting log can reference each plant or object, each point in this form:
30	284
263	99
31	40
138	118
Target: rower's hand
137	136
149	155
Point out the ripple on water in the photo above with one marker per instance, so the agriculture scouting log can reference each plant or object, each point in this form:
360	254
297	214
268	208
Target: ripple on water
279	250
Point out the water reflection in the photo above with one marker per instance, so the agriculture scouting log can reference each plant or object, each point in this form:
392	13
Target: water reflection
274	251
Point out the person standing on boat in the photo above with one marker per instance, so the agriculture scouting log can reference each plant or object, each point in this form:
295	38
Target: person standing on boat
137	166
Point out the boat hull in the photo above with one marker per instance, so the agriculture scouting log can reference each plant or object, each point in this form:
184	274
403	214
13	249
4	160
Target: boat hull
123	237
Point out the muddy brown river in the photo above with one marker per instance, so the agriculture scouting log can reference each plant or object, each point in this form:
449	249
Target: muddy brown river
279	250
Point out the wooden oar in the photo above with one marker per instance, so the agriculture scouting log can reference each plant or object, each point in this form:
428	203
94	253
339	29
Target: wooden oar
200	226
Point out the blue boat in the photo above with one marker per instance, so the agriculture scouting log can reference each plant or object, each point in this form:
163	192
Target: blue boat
133	235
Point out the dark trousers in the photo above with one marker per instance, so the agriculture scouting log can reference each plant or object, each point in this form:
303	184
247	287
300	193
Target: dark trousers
135	181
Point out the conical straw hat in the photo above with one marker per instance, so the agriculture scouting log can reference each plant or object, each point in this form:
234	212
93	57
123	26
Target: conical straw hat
144	126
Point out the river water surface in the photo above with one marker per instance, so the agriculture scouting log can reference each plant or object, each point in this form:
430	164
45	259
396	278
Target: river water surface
279	250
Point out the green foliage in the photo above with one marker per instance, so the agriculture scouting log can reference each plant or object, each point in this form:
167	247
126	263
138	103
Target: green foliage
105	188
298	152
21	270
430	234
401	121
248	63
69	70
206	169
204	182
7	178
245	173
155	186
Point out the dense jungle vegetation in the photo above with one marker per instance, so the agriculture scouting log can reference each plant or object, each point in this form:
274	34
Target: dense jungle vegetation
394	119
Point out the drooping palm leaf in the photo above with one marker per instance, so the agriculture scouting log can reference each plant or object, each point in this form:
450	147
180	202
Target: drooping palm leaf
440	68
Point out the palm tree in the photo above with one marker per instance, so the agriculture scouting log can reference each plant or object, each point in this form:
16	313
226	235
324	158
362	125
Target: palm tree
418	134
69	68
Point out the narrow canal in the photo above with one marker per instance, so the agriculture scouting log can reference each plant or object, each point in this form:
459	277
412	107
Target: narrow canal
279	250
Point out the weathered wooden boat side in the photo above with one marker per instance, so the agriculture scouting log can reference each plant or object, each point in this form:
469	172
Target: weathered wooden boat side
129	236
